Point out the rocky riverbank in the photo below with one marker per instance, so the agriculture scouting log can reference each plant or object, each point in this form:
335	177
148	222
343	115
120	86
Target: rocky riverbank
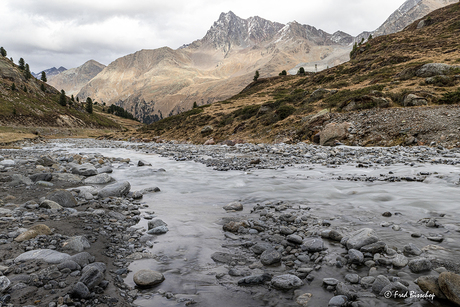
69	233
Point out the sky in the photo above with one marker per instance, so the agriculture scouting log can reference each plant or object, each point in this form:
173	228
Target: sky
54	33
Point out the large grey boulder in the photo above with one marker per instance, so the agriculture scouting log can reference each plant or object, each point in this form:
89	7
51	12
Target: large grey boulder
63	198
117	190
420	265
148	278
414	100
334	132
313	245
47	255
99	179
450	286
86	169
360	238
434	69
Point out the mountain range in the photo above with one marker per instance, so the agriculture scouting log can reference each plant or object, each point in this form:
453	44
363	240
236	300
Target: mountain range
154	84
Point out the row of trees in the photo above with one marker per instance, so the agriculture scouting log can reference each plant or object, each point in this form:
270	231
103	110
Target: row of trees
119	111
63	101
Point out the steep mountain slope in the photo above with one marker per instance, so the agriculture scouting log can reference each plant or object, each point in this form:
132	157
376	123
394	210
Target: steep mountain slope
153	84
33	103
401	88
72	80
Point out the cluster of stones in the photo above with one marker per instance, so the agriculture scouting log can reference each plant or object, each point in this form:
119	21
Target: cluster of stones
286	248
58	269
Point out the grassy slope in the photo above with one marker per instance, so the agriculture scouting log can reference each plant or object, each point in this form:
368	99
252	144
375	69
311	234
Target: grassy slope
278	108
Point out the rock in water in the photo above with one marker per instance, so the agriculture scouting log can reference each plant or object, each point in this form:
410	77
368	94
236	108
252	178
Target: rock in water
117	189
360	238
430	284
84	170
450	286
148	278
99	179
234	206
286	282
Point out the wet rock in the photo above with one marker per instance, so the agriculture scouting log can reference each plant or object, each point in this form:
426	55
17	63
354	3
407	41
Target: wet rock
296	239
355	256
227	257
34	231
313	245
377	247
143	163
330	282
430	284
86	169
69	264
47	255
234	206
387	214
394	287
233	226
352	278
41	177
92	277
117	189
83	258
148	278
158	230
449	283
270	257
4	283
76	243
255	279
360	238
399	261
411	249
63	197
420	265
80	290
259	248
379	283
49	204
99	179
156	223
339	300
105	169
286	282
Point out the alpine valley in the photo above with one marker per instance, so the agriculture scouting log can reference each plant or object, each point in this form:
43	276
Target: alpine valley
154	84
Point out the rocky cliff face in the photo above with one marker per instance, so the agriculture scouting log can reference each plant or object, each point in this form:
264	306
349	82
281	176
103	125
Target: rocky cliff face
72	80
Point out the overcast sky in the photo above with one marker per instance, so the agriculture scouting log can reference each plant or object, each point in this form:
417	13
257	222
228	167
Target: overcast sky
68	33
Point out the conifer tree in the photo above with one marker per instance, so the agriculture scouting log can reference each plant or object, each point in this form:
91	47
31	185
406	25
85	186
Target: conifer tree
2	51
27	73
13	87
42	87
21	64
43	78
301	71
63	99
195	105
256	75
89	105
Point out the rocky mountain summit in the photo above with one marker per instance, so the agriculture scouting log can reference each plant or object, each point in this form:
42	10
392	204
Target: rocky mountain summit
50	72
72	80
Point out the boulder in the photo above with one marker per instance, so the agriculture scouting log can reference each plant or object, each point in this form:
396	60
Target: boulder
334	132
117	190
49	204
233	206
99	179
360	238
86	169
430	284
41	177
313	245
148	278
206	130
286	282
32	232
420	265
92	277
414	100
63	197
80	290
47	255
270	257
434	69
449	283
4	283
77	244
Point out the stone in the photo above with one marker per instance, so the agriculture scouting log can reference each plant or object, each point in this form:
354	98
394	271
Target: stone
270	257
49	204
158	230
119	189
352	278
337	301
143	163
206	130
69	264
379	283
63	197
47	255
411	249
92	277
76	243
233	226
227	257
430	284
414	100
41	177
313	245
233	206
72	178
296	239
32	232
156	223
394	287
399	261
99	179
333	132
449	283
80	290
255	279
355	256
434	69
46	161
286	282
105	169
86	169
360	238
4	283
420	265
148	278
330	282
259	248
303	299
374	248
7	163
83	258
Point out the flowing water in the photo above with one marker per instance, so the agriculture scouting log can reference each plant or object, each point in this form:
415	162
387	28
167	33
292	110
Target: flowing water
192	196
